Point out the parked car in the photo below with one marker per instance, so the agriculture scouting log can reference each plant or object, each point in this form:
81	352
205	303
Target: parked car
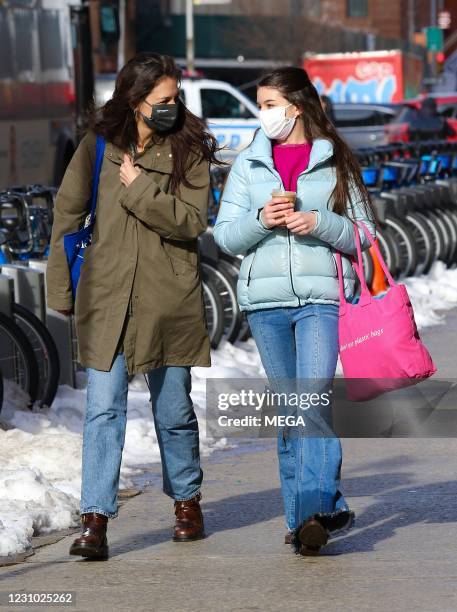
398	130
363	125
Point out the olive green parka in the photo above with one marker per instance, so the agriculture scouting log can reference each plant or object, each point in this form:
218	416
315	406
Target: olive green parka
140	279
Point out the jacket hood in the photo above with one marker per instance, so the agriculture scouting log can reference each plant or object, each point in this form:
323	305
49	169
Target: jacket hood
261	148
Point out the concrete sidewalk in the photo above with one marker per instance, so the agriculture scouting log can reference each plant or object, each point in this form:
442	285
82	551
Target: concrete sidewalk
401	555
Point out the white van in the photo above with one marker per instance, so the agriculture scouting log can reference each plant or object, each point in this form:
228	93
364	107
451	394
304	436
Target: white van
230	115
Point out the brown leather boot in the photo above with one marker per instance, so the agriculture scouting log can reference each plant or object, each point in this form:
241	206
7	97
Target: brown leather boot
312	536
189	520
92	542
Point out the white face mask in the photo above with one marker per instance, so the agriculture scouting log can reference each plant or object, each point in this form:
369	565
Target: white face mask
275	124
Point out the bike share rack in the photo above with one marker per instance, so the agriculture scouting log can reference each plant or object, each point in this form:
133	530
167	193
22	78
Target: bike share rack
27	286
61	329
6	308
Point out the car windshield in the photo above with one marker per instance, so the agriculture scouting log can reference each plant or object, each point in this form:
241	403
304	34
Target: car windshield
361	116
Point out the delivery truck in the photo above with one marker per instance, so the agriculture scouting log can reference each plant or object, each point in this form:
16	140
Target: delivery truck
377	77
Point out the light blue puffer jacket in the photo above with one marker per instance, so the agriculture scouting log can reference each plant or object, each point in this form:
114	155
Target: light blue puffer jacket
279	268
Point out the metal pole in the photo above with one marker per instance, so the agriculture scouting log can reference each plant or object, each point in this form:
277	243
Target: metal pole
82	61
411	20
190	55
433	12
122	35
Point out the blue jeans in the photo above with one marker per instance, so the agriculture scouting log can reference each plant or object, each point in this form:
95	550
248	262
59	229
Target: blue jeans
302	343
104	434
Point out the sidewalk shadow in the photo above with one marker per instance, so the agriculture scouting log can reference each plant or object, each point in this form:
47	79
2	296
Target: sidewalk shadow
225	514
394	508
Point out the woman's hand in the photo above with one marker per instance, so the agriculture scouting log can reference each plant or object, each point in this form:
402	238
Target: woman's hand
128	172
301	223
276	211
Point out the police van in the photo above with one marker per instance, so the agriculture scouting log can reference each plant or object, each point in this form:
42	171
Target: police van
230	115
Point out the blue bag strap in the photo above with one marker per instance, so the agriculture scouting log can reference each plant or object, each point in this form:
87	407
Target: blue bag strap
100	149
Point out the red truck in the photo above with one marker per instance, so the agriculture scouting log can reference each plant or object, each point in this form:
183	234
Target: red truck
382	77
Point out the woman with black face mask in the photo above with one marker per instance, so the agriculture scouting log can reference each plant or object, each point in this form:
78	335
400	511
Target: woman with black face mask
139	303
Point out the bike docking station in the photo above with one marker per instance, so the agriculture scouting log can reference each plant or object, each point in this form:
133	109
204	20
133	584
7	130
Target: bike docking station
28	288
61	329
25	284
6	308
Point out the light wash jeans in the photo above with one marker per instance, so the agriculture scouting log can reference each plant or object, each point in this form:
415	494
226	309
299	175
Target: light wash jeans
302	343
104	434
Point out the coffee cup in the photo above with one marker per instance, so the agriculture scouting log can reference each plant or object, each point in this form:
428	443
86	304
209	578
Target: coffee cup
283	193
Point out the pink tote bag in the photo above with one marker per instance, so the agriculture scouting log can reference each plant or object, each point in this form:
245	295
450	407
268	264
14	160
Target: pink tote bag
380	348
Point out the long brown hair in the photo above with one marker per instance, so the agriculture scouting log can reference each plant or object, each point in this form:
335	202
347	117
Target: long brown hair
295	86
116	122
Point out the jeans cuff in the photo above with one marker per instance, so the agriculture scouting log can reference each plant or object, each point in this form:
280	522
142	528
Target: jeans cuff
337	521
185	498
99	511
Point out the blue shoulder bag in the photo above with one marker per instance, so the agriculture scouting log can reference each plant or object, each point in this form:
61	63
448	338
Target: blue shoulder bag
76	242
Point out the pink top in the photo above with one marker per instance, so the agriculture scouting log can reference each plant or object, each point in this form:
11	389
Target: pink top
290	160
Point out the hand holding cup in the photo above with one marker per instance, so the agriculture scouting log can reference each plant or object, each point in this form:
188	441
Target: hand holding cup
276	211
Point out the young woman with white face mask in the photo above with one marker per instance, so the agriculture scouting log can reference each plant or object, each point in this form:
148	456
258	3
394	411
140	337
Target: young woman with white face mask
288	283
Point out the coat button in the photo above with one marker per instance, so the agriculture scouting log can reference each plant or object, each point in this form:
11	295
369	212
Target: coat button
170	155
158	154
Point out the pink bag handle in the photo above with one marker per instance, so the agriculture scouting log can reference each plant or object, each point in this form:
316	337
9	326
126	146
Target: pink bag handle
365	295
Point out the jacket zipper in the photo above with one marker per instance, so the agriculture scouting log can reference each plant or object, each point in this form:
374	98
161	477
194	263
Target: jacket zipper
290	268
288	231
289	254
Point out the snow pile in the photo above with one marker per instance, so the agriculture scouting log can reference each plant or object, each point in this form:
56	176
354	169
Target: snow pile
432	292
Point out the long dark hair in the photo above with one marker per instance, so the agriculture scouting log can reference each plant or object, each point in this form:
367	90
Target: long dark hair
115	121
295	86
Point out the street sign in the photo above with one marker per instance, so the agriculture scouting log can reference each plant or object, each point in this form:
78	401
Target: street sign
434	37
444	20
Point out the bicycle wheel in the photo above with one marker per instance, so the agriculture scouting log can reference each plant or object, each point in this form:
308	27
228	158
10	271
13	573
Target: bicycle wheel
222	280
435	233
388	249
45	350
214	310
1	391
368	266
423	240
17	358
405	240
451	233
233	264
443	231
453	215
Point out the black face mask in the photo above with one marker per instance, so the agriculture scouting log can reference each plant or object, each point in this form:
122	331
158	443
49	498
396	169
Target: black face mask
163	117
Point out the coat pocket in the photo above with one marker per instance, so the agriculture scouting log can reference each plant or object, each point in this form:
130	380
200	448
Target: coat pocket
179	265
250	268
